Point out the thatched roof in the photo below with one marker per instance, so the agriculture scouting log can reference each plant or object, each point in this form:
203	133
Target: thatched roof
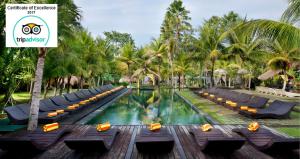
268	74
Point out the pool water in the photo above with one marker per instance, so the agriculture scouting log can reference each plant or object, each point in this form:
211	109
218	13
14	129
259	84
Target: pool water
148	106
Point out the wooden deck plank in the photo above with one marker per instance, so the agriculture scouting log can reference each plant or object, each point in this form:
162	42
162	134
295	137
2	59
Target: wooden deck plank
124	146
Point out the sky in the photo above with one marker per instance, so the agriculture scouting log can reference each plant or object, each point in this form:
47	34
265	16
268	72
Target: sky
143	18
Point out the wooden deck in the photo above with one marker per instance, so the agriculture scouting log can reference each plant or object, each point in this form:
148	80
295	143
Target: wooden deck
124	147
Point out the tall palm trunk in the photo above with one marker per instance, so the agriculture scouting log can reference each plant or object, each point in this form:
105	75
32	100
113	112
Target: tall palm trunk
35	102
46	88
158	84
212	73
69	84
129	74
61	85
81	82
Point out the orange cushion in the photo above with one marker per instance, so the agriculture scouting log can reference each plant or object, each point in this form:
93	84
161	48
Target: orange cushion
253	126
206	127
103	127
60	111
71	107
52	114
50	127
155	126
252	110
244	108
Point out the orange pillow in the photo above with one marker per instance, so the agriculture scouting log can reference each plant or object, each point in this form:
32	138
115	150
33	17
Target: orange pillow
103	127
71	107
252	110
232	104
60	111
155	126
253	126
52	114
50	127
244	108
206	127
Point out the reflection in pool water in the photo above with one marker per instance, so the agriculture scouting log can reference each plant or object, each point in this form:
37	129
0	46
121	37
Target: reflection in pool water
148	106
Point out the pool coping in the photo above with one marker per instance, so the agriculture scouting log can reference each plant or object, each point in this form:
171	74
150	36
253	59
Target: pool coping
206	116
87	118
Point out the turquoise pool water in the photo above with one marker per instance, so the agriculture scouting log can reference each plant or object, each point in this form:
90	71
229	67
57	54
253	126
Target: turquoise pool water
148	106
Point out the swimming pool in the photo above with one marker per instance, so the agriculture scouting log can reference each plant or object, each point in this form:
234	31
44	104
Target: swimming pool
148	106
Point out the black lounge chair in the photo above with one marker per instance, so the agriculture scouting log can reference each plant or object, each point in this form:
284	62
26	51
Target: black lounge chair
216	141
154	141
93	140
46	105
255	102
15	115
72	97
93	91
110	86
265	140
43	116
80	95
104	88
87	93
32	141
60	100
277	109
99	90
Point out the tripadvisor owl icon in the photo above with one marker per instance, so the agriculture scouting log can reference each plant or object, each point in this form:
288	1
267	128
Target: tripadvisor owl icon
31	30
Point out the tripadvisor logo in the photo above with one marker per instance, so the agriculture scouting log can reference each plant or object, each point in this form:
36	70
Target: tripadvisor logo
32	30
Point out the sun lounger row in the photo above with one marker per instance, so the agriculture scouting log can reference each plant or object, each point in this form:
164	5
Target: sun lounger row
59	107
249	105
159	141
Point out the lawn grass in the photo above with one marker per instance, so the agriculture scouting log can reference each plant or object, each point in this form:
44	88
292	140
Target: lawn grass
291	131
226	116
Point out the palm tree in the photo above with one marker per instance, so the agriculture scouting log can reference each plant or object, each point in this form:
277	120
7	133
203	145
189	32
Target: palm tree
68	14
157	51
175	25
210	44
284	30
182	66
128	56
144	66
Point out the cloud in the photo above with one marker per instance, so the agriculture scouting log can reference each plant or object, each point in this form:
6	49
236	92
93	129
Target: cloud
143	18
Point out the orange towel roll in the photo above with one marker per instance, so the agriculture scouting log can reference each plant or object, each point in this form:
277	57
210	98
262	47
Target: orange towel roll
244	108
82	102
60	111
253	126
50	127
252	110
103	127
71	107
232	104
228	101
206	127
155	126
76	105
52	114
